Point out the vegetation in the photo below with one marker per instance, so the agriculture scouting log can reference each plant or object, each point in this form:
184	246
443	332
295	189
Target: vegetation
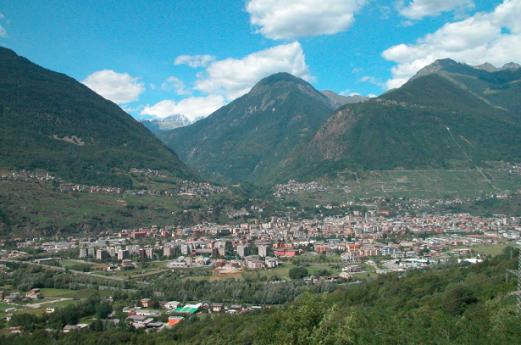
246	139
54	123
447	305
430	122
298	272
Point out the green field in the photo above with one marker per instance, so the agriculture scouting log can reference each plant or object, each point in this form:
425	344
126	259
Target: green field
492	250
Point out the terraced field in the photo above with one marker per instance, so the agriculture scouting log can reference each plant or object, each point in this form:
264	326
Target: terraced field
429	184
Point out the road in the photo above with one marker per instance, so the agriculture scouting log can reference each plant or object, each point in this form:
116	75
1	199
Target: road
63	269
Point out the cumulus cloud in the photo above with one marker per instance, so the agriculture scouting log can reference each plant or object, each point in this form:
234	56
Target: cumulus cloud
192	107
289	19
417	9
175	84
194	61
493	37
120	88
232	78
224	80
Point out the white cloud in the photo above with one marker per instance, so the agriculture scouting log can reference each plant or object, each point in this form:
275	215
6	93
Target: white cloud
290	19
120	88
417	9
194	61
175	84
192	107
232	78
372	80
224	80
493	37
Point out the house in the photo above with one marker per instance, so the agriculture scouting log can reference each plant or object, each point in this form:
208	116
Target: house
216	307
78	327
12	297
146	302
172	305
253	262
33	294
15	330
173	321
271	262
285	252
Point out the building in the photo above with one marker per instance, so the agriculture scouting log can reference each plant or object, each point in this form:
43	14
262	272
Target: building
216	307
172	305
123	254
34	294
149	252
173	321
263	250
168	251
83	253
242	250
271	262
253	262
146	302
285	252
102	255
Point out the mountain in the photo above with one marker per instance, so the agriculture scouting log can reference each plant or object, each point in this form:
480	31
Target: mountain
339	100
449	114
51	121
170	122
246	139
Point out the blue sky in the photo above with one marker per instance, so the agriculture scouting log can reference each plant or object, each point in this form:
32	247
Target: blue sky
127	50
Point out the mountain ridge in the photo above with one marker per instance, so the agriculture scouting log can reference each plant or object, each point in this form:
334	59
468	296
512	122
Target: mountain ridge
245	139
55	123
440	118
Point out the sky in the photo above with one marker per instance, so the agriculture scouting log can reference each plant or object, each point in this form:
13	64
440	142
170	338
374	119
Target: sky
162	57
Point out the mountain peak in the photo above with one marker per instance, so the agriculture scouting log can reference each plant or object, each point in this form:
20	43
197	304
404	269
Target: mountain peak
436	66
511	66
7	51
486	67
280	76
281	82
338	100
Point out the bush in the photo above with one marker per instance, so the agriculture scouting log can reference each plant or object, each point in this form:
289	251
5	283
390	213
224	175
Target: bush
298	272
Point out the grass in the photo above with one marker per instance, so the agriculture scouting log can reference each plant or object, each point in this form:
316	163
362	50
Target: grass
66	293
491	250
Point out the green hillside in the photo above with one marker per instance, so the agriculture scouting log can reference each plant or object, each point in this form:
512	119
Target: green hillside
52	122
432	121
246	139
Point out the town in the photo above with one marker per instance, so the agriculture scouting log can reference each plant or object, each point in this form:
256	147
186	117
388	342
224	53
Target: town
342	249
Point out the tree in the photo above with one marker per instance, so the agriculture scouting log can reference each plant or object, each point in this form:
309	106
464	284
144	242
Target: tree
298	272
103	310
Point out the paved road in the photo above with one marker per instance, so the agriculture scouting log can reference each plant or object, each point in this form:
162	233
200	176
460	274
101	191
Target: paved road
62	269
39	305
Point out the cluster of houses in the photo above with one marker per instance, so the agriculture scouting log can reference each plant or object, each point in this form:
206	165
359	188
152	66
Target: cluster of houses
15	297
24	175
294	187
151	315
